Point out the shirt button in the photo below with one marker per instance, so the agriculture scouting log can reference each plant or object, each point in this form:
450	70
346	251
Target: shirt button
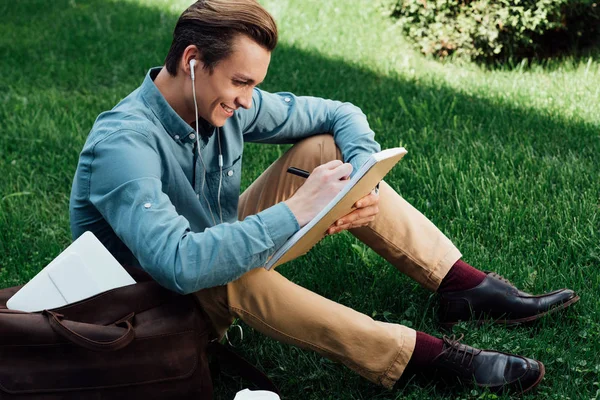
147	205
192	136
229	173
287	99
176	137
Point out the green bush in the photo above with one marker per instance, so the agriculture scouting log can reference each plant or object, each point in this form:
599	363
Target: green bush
498	29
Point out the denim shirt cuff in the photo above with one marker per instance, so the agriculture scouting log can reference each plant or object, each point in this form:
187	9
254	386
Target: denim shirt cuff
280	222
357	162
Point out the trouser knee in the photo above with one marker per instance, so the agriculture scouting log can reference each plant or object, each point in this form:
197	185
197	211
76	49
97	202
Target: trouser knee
319	148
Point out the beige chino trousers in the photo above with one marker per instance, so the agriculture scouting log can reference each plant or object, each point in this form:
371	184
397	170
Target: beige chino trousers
277	307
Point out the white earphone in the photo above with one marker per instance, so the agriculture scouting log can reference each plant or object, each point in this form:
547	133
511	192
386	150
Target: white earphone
193	76
192	68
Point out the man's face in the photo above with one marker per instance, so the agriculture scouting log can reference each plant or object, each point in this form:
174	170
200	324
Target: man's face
232	80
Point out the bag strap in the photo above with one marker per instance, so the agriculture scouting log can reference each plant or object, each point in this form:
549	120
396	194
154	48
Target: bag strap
56	322
240	366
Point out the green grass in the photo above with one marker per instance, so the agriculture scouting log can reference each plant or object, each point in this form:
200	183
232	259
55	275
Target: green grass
504	161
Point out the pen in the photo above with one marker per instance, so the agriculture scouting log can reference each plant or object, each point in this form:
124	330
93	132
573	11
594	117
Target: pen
304	174
299	172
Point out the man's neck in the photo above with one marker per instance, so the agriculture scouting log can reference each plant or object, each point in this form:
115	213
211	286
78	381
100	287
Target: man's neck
171	87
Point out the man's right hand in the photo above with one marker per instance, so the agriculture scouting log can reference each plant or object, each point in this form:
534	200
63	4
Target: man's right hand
323	184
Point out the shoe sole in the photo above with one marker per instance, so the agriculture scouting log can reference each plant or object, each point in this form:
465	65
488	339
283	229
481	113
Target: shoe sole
519	321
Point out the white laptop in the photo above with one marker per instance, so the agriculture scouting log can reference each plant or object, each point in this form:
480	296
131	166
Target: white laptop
84	269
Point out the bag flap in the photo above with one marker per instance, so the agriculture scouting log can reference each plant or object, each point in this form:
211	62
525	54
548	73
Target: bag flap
111	305
171	336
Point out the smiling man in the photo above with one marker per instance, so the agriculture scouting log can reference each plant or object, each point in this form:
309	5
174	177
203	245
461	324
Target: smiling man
158	182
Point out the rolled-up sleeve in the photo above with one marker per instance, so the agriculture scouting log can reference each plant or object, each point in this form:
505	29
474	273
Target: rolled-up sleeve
282	118
125	187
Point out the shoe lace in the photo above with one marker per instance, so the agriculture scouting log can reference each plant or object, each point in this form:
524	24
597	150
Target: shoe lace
457	352
512	290
500	277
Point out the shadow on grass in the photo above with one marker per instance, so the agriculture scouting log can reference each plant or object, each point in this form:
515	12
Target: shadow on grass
88	45
93	47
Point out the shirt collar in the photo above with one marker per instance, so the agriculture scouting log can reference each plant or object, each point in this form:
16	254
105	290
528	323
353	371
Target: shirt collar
175	126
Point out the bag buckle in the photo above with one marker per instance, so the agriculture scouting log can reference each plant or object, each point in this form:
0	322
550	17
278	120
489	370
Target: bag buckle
241	334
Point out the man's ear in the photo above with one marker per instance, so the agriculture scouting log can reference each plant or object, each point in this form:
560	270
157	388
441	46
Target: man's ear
190	53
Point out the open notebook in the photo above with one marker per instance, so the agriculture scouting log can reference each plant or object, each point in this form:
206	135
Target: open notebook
363	182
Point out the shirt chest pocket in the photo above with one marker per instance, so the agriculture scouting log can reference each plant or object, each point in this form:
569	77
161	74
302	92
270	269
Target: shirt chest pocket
229	180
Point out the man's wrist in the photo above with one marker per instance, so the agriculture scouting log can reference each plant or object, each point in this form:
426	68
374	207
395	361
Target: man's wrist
298	210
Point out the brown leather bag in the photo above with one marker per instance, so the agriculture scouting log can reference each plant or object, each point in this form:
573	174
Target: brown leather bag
136	342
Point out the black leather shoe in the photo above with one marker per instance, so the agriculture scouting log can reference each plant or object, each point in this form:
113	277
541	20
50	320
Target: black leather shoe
499	372
496	300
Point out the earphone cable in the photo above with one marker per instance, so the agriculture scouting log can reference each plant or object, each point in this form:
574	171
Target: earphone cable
200	154
220	175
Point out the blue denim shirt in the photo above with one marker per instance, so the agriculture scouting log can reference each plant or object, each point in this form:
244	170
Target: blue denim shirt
133	185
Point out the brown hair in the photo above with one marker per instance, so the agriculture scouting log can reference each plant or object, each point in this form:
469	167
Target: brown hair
212	25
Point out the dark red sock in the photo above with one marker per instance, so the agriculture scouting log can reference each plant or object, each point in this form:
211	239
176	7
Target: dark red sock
427	348
461	277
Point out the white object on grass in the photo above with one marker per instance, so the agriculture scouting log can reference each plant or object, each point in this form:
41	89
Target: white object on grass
248	394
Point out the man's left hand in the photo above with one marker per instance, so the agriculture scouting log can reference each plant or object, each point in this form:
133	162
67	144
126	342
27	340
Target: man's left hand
365	211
